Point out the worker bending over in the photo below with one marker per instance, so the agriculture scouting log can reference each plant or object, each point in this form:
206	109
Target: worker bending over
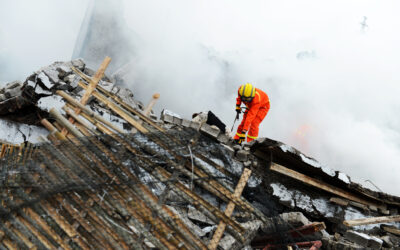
257	106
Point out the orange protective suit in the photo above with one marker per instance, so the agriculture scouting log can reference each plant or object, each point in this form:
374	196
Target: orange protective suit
256	111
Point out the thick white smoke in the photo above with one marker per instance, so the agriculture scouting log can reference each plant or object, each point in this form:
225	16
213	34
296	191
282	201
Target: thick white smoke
333	87
36	33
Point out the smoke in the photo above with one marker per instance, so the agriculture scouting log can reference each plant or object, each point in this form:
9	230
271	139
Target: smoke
36	33
333	84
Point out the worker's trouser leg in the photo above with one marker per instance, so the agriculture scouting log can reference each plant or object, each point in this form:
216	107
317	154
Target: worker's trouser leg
254	126
240	127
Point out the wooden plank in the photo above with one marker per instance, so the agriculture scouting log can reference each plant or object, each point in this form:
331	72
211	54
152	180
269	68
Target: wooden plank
321	185
372	220
339	201
392	230
229	209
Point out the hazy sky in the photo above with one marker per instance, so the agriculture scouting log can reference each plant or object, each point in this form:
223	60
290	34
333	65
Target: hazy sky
333	88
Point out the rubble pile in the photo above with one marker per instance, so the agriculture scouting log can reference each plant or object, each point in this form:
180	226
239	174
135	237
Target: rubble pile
110	176
26	103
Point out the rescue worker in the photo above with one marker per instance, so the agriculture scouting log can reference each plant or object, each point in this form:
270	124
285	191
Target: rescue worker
257	107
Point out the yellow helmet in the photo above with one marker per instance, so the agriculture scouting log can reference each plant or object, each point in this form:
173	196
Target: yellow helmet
247	92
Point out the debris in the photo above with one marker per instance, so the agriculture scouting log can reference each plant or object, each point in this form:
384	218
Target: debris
319	184
293	233
169	185
301	245
242	155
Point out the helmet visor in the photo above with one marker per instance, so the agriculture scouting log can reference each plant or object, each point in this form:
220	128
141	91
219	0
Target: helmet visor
246	99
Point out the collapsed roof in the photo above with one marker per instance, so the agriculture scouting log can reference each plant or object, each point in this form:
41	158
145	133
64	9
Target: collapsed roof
115	176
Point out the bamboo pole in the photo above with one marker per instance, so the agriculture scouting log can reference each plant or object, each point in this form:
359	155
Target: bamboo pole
92	86
229	209
149	106
65	123
94	81
71	172
118	100
36	233
86	110
176	222
186	192
71	113
68	228
53	131
120	111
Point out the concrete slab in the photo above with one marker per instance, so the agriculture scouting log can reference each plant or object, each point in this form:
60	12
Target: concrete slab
186	123
177	120
195	125
210	130
356	237
167	118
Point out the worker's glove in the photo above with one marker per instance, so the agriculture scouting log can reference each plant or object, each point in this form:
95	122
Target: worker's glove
238	111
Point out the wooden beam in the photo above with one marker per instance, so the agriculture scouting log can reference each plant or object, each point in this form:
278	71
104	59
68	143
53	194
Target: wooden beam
339	201
392	230
91	87
229	209
372	220
321	185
